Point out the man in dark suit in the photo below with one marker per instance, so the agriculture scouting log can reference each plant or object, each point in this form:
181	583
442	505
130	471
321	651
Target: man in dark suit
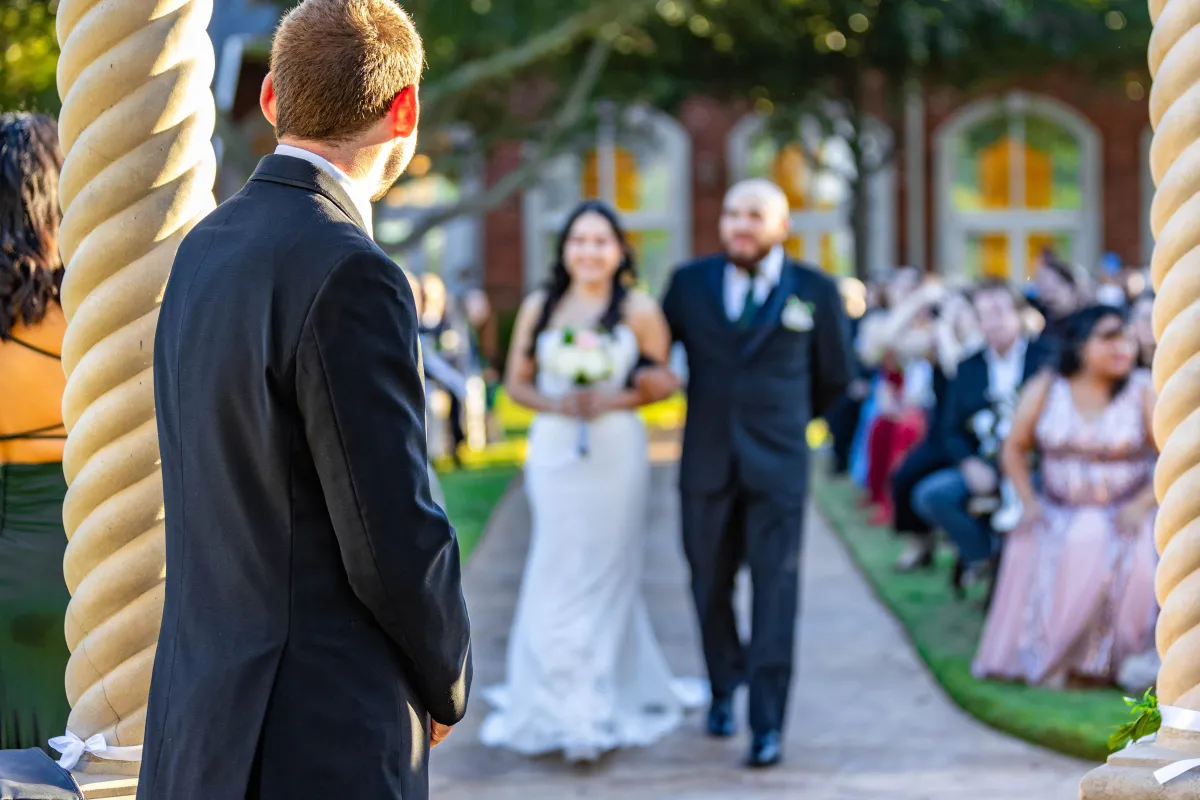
972	426
768	349
315	641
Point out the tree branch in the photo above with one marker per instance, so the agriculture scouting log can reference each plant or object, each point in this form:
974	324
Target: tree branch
545	44
561	125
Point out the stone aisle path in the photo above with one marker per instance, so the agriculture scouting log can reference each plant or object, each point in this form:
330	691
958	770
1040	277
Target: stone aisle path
866	720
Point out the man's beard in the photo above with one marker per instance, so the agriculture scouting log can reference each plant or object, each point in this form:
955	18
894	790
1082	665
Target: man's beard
397	162
749	262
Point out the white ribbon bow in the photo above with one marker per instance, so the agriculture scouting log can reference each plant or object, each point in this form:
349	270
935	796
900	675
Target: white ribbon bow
73	748
1181	719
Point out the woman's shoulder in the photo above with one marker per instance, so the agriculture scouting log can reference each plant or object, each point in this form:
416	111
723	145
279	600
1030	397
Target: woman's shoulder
639	303
48	333
533	304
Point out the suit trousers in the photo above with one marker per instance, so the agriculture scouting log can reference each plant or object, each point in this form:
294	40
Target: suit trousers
721	531
921	462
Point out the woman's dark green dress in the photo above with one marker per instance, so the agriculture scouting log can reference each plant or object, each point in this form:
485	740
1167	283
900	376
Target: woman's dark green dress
33	601
33	596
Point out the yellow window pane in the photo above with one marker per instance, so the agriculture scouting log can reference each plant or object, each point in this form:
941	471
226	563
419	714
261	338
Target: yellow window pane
987	256
794	246
827	256
994	179
1060	243
790	172
627	178
1039	179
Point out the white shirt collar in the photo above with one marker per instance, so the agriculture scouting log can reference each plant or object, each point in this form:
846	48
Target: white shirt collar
766	278
1005	372
358	195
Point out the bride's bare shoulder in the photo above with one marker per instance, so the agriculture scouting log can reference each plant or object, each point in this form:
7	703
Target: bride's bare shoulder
640	304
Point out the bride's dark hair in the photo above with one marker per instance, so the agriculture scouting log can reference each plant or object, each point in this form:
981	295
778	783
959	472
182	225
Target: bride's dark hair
30	268
560	279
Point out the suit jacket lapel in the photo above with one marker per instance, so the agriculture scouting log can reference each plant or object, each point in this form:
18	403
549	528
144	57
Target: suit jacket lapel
302	174
716	289
768	316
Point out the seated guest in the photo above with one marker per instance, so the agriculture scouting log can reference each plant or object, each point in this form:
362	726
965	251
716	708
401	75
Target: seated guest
843	416
871	347
1055	293
1075	594
955	334
978	408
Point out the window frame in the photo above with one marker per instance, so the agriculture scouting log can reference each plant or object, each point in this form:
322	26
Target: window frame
539	219
954	226
881	197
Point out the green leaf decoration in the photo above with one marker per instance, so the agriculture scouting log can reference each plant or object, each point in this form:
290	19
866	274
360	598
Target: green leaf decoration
1147	720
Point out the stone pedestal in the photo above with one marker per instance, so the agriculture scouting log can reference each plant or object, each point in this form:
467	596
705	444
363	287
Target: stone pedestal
107	787
1129	774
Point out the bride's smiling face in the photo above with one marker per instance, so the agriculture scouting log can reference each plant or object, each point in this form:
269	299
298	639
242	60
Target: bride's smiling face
592	252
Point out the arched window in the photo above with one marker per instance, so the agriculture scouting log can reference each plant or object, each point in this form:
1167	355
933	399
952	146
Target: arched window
1016	175
639	164
452	250
816	169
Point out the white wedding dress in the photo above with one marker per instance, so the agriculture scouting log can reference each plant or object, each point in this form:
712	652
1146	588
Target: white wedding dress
585	671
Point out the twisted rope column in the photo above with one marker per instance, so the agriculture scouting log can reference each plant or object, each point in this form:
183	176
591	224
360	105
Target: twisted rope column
136	124
1175	272
1174	58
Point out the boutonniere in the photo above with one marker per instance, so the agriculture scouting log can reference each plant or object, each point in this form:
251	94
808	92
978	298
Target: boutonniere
797	315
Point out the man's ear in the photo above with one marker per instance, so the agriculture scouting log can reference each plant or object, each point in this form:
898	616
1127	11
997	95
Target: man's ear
266	99
404	113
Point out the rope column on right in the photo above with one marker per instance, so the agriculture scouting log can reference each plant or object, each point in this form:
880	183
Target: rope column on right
1174	60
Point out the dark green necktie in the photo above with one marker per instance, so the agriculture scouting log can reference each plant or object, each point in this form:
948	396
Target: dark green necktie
749	309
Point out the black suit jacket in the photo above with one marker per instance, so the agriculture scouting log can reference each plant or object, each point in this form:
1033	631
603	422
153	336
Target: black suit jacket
968	395
314	618
752	394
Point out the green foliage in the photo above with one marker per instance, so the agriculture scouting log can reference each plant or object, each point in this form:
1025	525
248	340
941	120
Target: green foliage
28	56
1147	720
470	497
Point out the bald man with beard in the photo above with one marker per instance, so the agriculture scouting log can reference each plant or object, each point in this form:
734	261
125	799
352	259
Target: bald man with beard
768	349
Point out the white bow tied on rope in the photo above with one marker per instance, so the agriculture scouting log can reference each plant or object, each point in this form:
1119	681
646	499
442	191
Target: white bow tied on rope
73	748
1181	719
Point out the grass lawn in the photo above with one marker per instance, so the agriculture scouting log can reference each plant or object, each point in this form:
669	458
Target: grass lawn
945	633
471	494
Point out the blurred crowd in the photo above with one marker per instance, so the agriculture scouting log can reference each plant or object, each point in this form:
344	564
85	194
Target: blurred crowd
1015	428
459	380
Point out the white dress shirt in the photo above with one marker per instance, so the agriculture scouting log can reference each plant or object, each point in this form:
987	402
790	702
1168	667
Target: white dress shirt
360	196
1005	372
738	282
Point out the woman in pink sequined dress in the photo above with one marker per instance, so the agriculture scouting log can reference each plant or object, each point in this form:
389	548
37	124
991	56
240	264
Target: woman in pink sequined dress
1075	593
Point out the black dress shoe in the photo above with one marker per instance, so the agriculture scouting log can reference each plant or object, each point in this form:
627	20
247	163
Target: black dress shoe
766	750
720	719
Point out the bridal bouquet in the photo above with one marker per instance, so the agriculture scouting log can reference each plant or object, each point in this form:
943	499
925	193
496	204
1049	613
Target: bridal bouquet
584	358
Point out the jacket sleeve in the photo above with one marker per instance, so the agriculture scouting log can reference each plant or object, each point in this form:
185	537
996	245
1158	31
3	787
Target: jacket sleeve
671	304
362	399
957	446
832	350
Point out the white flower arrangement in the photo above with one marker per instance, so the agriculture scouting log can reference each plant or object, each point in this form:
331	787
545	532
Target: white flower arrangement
583	357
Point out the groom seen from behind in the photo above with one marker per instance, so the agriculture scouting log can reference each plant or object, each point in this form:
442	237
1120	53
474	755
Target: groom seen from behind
767	349
314	641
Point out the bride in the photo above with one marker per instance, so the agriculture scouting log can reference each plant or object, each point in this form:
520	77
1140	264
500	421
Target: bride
585	671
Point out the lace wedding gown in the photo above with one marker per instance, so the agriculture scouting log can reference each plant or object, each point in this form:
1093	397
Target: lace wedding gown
585	671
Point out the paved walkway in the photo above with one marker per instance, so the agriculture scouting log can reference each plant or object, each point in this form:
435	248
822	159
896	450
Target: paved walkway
867	722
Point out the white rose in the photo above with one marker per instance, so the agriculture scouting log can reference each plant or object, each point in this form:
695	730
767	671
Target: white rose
593	365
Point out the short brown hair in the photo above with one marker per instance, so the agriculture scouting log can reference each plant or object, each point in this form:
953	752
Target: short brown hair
990	285
339	64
